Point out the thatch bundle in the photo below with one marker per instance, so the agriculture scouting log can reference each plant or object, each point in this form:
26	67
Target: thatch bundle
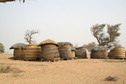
118	52
98	53
65	50
81	52
19	50
49	50
73	52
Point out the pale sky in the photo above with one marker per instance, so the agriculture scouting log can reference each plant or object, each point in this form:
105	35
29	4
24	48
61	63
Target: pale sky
59	20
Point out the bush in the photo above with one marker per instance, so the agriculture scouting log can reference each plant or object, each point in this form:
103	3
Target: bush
7	69
110	78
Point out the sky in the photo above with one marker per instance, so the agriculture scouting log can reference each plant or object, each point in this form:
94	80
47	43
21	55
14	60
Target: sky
59	20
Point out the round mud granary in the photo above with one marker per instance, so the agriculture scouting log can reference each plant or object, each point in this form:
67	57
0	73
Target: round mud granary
125	54
73	52
81	52
98	53
33	52
116	53
19	50
65	50
49	50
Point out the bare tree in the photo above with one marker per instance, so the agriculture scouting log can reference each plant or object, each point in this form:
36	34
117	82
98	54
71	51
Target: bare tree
29	36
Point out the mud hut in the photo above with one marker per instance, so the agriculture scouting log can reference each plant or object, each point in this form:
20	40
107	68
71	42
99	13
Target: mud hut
19	50
81	52
49	50
65	50
116	53
98	53
73	52
33	52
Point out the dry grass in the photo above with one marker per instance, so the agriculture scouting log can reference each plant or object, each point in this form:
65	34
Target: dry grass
7	69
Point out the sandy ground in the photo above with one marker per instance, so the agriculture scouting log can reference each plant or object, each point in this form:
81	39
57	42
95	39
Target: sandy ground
80	71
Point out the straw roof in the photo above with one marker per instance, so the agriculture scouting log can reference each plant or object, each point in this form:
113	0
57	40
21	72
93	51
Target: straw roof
73	49
83	48
32	44
18	46
48	41
98	49
65	43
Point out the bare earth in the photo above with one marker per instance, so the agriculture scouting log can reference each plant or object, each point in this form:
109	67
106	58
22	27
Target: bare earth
80	71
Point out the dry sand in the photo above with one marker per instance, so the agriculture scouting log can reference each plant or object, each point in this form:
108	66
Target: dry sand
80	71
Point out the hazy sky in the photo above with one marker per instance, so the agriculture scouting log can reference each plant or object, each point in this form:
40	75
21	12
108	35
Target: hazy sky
59	20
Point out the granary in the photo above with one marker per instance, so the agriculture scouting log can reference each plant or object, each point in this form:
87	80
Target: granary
33	52
118	52
81	52
98	53
73	52
125	54
49	50
19	50
65	50
26	52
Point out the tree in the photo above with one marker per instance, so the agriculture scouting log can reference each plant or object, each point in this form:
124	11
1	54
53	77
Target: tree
106	39
97	31
29	36
1	48
113	32
90	46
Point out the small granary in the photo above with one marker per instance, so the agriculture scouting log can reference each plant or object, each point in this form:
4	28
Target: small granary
73	52
116	53
81	52
49	50
19	50
33	52
65	50
98	53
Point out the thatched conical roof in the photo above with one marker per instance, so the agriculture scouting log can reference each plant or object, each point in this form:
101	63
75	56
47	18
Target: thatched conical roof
73	49
65	43
48	41
18	46
98	49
